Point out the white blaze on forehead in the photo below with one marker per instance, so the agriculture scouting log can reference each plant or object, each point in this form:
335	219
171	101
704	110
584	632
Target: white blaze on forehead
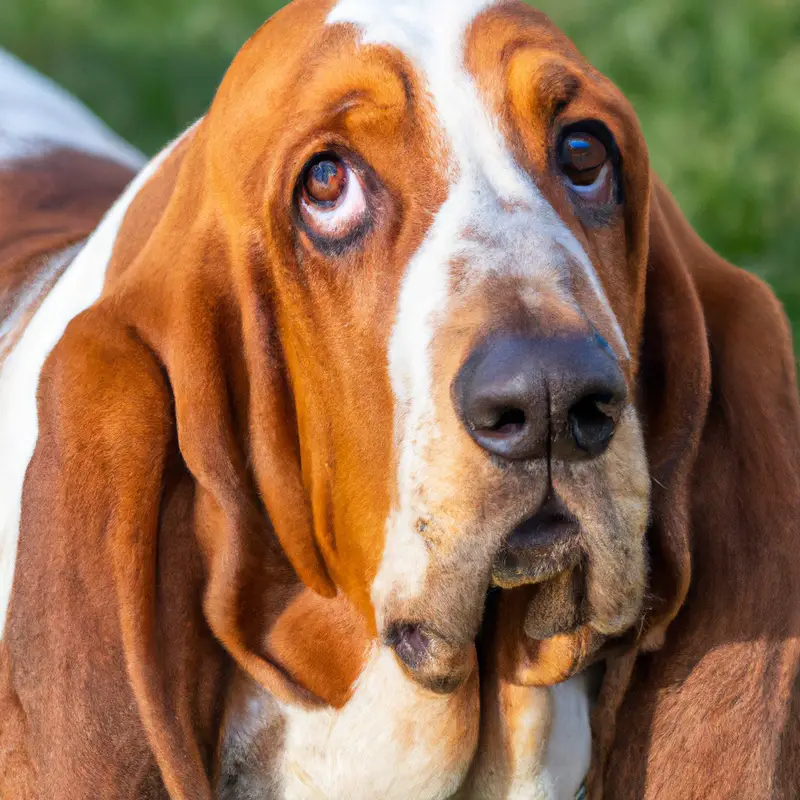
75	291
494	219
37	115
431	34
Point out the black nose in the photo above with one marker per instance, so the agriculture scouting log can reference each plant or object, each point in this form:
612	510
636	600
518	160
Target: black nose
526	398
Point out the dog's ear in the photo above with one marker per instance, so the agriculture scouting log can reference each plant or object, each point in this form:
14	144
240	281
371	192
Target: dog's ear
168	505
673	386
200	297
711	706
87	623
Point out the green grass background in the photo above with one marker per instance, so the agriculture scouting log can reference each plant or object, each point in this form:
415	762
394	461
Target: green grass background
716	84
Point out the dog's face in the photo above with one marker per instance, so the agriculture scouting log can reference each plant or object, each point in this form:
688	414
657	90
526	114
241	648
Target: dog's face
445	215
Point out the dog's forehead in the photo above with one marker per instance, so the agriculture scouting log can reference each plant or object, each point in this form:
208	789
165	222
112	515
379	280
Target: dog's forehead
492	198
420	28
439	40
432	36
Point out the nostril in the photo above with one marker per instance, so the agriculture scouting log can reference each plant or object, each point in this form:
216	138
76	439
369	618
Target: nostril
510	422
592	424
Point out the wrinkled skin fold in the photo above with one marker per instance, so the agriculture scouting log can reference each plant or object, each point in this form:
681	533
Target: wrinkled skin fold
268	540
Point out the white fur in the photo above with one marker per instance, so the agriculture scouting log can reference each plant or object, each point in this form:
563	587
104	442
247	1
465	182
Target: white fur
529	779
76	290
547	745
386	742
494	220
32	293
36	115
570	745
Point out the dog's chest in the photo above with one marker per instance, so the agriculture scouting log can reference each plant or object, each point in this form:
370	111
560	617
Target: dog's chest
392	740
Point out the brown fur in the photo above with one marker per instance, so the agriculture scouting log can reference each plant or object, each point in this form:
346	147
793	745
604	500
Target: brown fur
210	478
52	201
712	713
220	342
524	64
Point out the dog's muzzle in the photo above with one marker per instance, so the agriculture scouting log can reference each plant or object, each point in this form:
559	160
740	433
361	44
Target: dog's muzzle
524	398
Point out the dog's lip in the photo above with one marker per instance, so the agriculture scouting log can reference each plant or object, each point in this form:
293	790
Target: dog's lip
433	660
542	531
539	548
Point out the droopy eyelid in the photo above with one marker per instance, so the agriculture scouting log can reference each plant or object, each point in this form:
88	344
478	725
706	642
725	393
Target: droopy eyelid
341	218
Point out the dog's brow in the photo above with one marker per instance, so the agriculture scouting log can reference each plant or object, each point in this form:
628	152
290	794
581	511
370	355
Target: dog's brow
364	98
557	86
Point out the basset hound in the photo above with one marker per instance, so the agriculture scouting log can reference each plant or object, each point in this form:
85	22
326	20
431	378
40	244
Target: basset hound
384	411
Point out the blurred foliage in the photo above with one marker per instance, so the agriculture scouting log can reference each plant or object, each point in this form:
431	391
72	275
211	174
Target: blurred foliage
716	84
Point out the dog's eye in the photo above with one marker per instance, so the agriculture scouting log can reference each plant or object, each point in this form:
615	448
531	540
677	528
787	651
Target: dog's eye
332	201
582	158
325	181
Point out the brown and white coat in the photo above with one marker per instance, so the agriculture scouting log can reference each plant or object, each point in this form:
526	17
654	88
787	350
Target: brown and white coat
247	537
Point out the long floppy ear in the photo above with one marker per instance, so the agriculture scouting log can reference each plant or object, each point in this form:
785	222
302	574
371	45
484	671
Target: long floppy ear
197	292
674	379
91	637
146	538
709	710
106	638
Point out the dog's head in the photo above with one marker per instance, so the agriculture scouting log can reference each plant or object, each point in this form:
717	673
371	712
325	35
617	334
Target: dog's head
387	326
402	324
442	216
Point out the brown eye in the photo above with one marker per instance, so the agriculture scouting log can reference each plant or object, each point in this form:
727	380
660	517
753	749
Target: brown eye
332	201
325	181
582	157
